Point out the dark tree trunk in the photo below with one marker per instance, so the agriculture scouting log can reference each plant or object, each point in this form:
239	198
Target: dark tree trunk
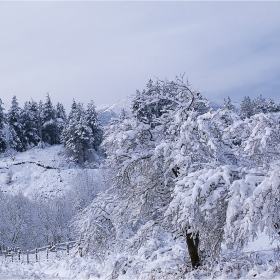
192	243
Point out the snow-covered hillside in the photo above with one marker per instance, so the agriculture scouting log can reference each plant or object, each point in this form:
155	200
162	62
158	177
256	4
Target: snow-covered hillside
46	171
106	112
42	171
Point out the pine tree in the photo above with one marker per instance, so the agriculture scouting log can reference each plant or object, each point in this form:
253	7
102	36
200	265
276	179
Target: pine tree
29	120
246	108
61	118
77	136
3	144
122	115
259	105
49	126
92	121
228	104
15	126
73	109
149	112
272	107
40	122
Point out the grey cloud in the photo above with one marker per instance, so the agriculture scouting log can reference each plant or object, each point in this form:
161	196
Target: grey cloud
106	50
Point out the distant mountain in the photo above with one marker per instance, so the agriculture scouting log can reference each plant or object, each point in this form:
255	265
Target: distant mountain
106	112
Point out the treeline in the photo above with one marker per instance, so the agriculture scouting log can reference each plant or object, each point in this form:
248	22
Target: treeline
45	124
258	105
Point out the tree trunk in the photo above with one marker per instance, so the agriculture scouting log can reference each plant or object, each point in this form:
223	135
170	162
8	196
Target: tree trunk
192	243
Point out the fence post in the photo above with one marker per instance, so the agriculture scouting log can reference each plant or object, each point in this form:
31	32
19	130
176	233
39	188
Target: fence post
47	254
27	256
19	252
67	248
5	253
12	256
36	254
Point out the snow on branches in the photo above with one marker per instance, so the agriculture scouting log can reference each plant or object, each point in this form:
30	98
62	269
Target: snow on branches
177	167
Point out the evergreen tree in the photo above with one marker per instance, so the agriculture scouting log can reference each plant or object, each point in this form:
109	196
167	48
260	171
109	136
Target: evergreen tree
272	107
92	121
29	120
259	105
15	126
49	126
40	122
61	118
77	136
73	109
228	105
246	108
3	144
122	115
149	112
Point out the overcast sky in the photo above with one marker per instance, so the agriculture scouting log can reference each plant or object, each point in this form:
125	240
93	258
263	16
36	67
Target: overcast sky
104	51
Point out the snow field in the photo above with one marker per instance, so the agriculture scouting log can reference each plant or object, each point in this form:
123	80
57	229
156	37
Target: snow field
43	172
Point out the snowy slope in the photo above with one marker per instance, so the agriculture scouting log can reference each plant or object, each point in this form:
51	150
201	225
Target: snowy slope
42	171
106	112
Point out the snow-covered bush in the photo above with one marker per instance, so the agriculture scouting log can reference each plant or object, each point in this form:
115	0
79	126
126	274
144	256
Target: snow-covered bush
85	188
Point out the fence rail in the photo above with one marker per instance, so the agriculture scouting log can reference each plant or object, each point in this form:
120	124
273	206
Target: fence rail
59	250
54	250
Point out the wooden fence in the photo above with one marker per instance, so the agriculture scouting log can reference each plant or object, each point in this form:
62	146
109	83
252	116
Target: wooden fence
46	252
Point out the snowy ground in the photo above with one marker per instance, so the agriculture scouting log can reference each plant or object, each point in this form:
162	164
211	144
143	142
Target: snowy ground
72	266
39	171
58	266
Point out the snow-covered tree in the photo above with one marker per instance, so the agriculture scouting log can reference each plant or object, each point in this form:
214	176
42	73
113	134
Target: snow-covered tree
259	104
91	119
29	120
253	203
61	118
122	115
49	125
246	108
96	225
77	135
148	152
3	144
15	126
256	140
228	104
143	111
272	107
198	208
